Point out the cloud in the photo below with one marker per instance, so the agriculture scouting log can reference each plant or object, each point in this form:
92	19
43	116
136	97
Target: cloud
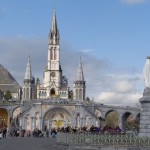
123	89
103	84
131	2
15	52
87	50
119	98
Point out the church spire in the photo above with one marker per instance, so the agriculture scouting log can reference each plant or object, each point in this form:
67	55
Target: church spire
28	73
79	86
54	22
54	33
80	76
29	83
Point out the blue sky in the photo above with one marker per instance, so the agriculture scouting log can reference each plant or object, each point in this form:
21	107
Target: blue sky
113	33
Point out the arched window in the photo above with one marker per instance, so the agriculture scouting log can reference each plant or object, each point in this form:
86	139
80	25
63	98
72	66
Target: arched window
52	92
45	94
27	93
51	53
40	93
31	94
63	94
55	54
80	94
77	97
60	94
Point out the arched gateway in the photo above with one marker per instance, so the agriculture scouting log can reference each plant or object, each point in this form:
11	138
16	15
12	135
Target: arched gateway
4	119
56	118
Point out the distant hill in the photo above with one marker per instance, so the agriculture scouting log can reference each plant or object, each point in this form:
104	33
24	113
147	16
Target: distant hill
7	81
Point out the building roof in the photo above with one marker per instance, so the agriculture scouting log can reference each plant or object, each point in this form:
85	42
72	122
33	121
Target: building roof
7	81
80	76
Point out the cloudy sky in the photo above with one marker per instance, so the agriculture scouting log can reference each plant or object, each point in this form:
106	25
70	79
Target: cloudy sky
111	36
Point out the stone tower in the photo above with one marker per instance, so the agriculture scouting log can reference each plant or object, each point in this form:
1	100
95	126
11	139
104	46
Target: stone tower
53	71
52	79
79	84
145	103
29	83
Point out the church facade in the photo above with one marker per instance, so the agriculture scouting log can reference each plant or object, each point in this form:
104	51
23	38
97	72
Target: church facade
51	104
54	83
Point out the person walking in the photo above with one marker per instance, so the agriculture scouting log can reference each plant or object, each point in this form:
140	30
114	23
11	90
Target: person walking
1	135
53	133
47	133
4	133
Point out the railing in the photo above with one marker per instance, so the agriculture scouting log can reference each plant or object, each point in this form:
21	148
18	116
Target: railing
6	103
122	140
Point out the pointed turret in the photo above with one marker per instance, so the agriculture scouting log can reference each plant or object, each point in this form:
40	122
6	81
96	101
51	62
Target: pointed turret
80	76
28	73
79	85
54	22
29	83
54	33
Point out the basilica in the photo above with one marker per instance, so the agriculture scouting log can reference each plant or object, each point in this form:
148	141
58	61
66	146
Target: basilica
54	83
51	103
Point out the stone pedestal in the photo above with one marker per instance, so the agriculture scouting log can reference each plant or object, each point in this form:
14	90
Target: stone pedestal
145	114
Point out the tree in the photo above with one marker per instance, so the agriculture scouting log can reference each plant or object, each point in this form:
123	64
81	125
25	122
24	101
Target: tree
132	125
112	119
8	95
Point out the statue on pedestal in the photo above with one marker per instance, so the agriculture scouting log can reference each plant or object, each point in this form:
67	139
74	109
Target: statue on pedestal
146	72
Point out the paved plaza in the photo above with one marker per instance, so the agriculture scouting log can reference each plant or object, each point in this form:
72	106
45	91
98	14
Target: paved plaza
27	144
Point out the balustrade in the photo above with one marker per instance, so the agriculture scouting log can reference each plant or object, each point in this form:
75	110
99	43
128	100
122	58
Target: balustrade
122	140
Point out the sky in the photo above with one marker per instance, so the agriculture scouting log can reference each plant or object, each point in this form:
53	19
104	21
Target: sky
111	36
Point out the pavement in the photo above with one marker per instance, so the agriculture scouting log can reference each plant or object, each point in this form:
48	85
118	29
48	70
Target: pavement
27	143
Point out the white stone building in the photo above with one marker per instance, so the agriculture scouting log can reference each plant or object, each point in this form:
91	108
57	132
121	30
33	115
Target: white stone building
53	90
52	104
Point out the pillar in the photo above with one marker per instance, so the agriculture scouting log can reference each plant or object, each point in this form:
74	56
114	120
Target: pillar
120	120
32	123
145	114
81	122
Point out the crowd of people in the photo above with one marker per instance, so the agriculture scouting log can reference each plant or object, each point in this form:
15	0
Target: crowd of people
92	129
3	132
36	133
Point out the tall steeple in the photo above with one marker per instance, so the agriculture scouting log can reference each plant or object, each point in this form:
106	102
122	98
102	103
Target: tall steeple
79	86
54	33
54	22
52	79
80	76
28	73
29	83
